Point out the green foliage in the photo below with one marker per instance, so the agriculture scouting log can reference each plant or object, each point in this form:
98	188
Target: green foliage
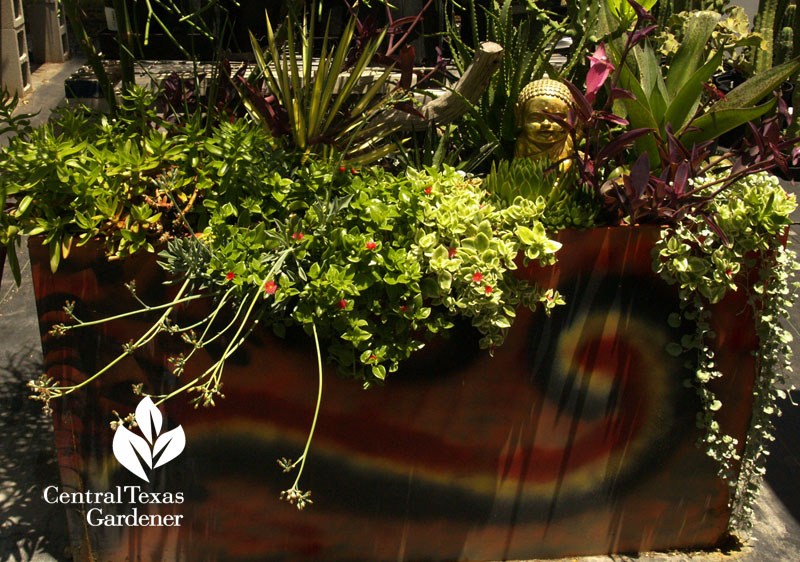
528	42
764	24
376	262
674	98
565	204
623	11
754	215
15	127
324	106
128	180
731	34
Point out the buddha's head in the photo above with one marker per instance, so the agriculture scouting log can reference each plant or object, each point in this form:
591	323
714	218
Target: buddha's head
535	101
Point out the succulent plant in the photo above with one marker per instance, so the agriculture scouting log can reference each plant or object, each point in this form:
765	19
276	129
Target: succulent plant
521	177
566	206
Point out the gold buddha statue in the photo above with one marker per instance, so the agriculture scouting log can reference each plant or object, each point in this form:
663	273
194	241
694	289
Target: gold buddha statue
541	137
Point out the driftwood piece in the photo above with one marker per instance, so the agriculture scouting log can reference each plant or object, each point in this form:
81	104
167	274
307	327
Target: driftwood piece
451	104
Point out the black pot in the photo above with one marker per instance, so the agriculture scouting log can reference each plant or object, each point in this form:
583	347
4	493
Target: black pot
726	81
787	90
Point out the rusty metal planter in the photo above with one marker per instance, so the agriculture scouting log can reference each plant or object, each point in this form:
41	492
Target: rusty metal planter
578	437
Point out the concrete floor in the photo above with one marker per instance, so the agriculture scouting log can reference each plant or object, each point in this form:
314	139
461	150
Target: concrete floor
32	530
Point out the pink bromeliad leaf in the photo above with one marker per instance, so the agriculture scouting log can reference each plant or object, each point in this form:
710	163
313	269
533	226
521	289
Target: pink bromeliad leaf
599	70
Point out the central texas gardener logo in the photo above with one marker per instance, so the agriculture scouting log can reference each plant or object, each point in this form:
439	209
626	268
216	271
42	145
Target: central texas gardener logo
155	449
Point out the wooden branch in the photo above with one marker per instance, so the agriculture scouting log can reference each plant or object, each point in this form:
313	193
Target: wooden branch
451	104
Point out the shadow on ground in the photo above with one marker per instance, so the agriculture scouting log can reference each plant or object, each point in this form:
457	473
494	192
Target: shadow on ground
30	527
783	467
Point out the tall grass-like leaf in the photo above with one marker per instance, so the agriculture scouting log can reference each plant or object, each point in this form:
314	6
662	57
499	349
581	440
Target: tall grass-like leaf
318	103
261	61
355	74
337	64
317	100
372	91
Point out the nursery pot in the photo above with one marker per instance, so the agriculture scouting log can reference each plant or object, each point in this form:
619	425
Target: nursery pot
577	437
726	81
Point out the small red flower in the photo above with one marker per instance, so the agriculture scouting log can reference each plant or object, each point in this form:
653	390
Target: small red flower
429	189
230	275
728	272
477	277
488	289
451	252
297	235
198	234
372	358
270	287
342	304
342	169
403	308
353	171
549	297
371	245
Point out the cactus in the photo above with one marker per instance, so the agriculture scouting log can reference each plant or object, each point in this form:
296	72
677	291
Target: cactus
764	25
664	9
794	23
783	45
570	207
769	24
565	205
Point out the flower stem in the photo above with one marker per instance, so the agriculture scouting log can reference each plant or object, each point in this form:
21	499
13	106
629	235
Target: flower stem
316	410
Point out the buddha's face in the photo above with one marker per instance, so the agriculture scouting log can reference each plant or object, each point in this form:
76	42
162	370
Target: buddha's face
537	126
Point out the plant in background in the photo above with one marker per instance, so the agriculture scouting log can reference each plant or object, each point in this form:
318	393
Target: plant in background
14	127
771	19
731	35
676	99
672	127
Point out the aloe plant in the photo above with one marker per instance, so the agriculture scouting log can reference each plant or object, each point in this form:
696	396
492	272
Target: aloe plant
322	109
528	42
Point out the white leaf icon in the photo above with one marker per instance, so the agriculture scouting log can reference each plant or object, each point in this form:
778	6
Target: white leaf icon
148	417
126	445
172	442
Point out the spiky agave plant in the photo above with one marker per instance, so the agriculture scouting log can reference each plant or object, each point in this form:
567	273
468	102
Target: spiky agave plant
326	110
